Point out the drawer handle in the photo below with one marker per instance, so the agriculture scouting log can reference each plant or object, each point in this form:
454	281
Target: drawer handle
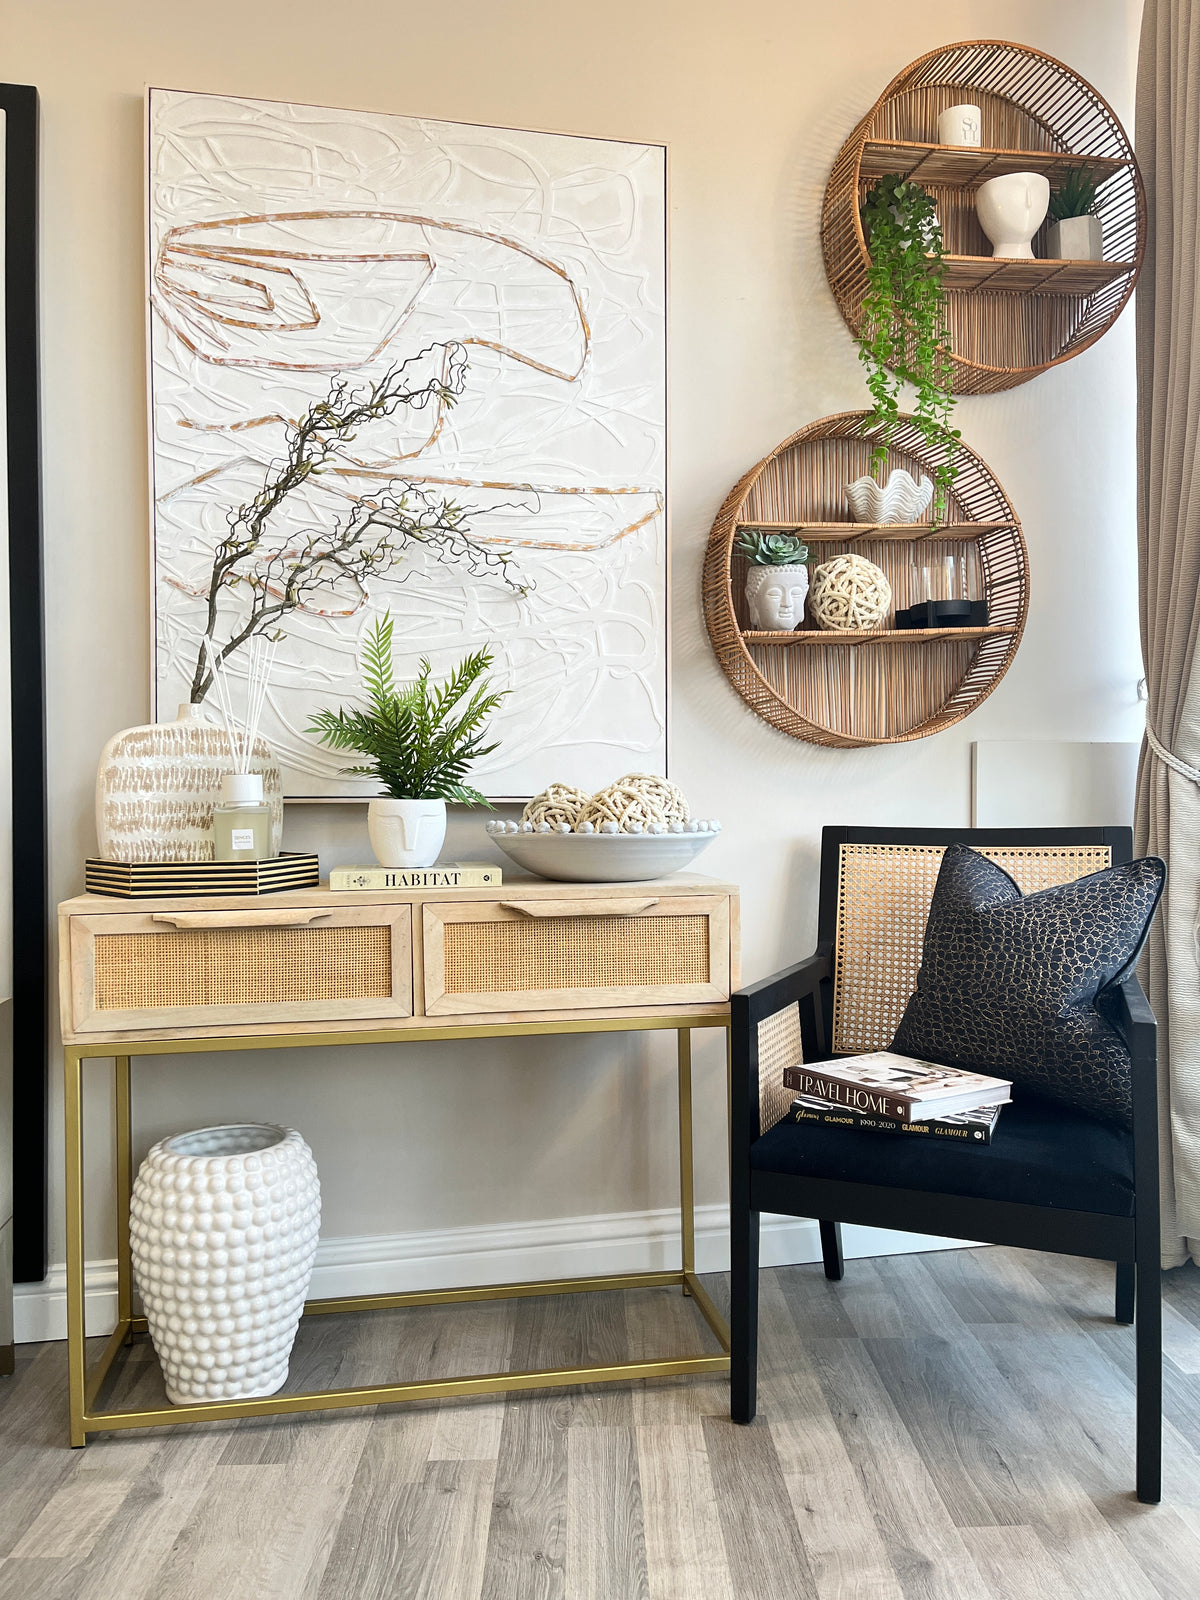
253	919
579	908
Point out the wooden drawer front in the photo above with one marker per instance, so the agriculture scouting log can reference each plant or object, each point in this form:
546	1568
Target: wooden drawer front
540	955
213	968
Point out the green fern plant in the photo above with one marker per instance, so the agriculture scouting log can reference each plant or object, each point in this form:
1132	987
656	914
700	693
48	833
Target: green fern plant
904	337
417	748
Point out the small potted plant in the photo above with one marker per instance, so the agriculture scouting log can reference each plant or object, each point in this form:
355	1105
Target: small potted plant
1075	232
777	581
417	748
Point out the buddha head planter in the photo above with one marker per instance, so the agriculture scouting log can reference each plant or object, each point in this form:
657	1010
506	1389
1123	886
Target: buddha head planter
776	577
775	597
1011	209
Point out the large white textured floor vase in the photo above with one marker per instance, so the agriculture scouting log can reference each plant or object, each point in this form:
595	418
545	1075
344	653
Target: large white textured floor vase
223	1226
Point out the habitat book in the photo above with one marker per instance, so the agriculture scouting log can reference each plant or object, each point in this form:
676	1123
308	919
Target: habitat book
969	1127
901	1087
454	875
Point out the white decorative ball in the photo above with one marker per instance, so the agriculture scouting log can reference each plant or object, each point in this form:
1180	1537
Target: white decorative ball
558	803
850	594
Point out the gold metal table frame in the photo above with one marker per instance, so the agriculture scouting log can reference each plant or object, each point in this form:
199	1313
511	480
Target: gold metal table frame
86	1386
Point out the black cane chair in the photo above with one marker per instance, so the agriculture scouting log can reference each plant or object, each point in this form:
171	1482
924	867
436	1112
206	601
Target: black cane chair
1051	1179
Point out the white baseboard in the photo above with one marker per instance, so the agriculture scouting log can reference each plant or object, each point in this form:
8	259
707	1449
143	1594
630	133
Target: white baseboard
451	1258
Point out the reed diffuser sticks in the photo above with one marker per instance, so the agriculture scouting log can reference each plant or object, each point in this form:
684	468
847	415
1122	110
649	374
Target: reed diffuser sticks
241	733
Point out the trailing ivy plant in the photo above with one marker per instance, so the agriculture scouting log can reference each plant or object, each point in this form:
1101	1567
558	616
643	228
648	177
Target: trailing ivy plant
904	336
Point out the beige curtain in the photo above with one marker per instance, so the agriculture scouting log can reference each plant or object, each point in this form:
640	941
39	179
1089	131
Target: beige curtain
1168	363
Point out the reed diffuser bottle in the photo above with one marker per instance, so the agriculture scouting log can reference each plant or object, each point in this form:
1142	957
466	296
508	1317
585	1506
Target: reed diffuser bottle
242	819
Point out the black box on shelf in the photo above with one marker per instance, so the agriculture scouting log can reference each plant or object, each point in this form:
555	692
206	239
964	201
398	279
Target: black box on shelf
944	614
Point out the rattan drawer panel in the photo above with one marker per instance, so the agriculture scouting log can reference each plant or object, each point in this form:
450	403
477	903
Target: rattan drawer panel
484	955
241	966
142	971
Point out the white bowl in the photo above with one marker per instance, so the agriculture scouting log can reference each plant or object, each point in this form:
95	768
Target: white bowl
901	499
603	857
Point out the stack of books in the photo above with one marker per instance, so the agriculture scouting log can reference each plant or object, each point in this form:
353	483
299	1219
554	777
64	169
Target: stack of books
888	1093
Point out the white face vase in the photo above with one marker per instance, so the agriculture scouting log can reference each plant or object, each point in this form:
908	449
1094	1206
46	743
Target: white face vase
1011	209
775	597
960	125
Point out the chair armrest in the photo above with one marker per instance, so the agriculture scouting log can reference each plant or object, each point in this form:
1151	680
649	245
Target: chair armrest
754	1080
769	995
1134	1015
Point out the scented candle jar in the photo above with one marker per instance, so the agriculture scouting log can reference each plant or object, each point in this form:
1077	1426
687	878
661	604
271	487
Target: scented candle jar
242	820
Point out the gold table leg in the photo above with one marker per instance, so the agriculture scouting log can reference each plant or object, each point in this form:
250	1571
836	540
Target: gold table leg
687	1203
124	1190
76	1330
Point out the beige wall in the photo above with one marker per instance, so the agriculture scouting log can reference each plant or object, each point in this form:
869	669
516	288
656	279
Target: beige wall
754	98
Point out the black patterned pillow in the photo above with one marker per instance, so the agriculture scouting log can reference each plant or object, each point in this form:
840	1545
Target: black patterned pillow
1009	982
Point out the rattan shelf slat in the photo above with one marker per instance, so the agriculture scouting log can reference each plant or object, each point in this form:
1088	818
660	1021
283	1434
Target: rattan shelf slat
848	532
952	164
833	688
1045	275
828	636
1008	320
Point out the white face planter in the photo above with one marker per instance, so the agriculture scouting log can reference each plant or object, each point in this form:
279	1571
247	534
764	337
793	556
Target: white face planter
406	833
1011	209
775	597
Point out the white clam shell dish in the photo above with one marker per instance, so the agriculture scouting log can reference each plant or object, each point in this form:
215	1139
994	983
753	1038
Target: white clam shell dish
223	1228
604	854
900	499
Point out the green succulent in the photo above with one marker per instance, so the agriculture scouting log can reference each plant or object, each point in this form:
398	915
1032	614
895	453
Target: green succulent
1074	194
771	549
904	337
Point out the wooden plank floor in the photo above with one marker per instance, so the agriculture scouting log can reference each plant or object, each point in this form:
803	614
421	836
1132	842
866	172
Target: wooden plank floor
952	1426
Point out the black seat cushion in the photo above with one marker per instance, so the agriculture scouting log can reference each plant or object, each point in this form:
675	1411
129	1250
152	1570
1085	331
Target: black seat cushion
1041	1154
1014	984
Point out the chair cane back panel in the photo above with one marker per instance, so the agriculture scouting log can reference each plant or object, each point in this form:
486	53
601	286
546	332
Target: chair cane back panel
884	893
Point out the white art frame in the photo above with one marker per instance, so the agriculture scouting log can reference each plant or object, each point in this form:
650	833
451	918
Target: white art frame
557	290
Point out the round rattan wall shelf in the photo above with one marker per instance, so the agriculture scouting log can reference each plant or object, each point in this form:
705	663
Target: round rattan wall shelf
1009	320
891	684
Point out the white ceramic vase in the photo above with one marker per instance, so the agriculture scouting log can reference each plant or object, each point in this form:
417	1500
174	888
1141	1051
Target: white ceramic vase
223	1227
406	833
900	499
156	787
1076	239
775	597
1011	209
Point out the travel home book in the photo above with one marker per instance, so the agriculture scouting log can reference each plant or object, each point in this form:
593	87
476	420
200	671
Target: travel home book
972	1127
457	875
885	1085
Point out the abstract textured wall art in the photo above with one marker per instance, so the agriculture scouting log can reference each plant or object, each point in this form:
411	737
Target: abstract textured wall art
519	278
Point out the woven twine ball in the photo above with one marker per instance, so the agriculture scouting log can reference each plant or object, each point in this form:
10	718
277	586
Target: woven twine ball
850	593
639	797
556	804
